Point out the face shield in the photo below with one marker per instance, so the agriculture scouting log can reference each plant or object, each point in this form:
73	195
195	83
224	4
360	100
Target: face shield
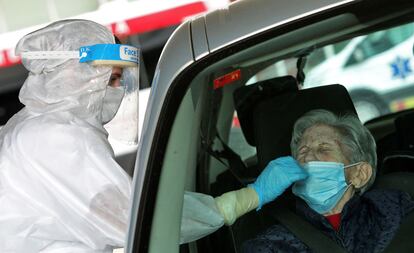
120	103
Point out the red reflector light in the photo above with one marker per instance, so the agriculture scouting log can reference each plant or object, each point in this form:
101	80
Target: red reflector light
227	79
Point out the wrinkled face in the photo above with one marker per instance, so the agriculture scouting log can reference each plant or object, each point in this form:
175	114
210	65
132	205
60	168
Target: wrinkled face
115	79
320	143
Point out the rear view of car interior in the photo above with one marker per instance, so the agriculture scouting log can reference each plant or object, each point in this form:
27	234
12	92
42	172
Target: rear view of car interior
237	113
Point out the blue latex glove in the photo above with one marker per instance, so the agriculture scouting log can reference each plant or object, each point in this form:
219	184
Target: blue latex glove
278	175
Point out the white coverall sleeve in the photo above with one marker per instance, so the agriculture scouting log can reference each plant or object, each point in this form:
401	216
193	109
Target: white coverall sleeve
200	217
203	214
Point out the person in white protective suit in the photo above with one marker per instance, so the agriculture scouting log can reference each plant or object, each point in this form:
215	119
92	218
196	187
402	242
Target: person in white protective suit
60	188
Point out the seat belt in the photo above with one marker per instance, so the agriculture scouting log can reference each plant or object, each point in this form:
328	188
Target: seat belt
315	239
235	164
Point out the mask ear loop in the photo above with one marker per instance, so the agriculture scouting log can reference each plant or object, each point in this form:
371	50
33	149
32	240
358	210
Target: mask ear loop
352	164
350	183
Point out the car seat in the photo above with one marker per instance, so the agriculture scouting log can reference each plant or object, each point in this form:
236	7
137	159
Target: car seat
396	150
247	97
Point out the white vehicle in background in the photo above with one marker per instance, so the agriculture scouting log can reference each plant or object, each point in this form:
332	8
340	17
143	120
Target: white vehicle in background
377	70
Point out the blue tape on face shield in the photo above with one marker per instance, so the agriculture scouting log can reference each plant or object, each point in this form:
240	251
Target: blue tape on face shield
324	186
110	54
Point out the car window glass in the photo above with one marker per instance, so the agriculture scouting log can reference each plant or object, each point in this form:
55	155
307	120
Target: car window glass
237	141
399	34
279	68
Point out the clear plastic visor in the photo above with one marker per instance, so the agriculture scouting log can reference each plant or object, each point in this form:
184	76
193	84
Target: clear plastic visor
124	125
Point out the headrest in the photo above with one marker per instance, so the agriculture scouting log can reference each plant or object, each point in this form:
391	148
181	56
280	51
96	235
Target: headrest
247	97
402	181
404	124
272	119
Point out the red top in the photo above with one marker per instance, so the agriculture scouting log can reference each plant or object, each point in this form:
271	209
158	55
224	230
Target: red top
335	220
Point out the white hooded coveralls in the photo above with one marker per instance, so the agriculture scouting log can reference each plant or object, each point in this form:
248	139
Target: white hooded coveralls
60	187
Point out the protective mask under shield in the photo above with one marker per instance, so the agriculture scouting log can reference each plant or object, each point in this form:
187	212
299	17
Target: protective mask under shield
111	102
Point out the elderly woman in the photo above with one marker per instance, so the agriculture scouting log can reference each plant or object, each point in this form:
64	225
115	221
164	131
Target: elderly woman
332	167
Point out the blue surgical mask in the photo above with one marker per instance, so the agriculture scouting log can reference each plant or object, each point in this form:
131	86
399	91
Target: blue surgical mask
324	186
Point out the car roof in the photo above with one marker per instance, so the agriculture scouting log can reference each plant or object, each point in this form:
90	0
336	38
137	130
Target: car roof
246	18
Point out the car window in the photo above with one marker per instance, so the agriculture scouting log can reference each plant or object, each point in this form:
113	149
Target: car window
238	142
401	33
